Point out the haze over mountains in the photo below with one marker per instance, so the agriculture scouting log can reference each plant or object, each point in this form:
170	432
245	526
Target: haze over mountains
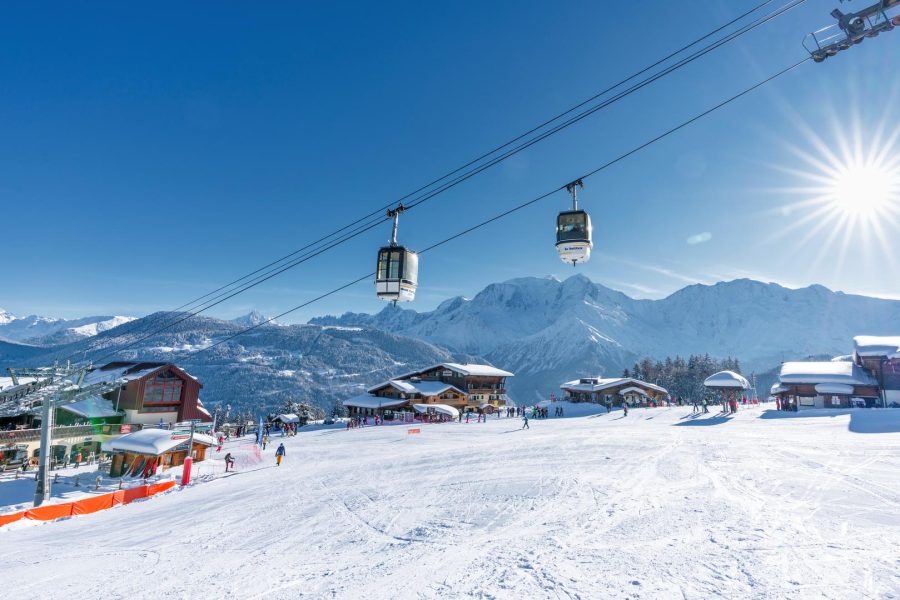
544	330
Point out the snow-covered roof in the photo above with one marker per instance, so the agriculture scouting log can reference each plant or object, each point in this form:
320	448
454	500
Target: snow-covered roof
727	379
473	369
777	388
7	382
877	345
824	372
103	375
370	401
632	390
439	408
154	441
597	384
288	418
425	388
834	388
403	386
92	407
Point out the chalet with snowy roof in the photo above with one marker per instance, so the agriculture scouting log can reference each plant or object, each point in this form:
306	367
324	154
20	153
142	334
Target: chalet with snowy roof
152	392
880	356
149	451
825	384
615	390
445	388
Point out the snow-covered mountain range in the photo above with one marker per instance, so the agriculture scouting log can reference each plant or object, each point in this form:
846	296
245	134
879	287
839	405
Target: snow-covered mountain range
49	331
544	330
260	370
548	331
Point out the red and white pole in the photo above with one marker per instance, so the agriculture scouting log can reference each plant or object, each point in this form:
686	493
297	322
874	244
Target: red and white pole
188	460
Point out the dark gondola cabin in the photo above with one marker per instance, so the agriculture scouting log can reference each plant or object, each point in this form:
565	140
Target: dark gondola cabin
397	275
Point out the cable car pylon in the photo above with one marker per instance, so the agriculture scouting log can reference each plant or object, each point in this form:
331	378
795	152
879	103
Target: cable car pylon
397	271
573	230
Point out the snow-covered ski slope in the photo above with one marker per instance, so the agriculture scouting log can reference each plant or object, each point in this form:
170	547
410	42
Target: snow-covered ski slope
656	505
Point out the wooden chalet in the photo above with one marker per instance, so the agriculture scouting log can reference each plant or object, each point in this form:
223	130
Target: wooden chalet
153	392
615	391
824	384
880	356
461	387
149	451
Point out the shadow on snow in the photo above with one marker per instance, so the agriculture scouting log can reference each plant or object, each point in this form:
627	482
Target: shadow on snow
862	420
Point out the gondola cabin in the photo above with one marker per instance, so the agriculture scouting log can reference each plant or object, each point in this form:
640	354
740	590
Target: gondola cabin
573	236
397	275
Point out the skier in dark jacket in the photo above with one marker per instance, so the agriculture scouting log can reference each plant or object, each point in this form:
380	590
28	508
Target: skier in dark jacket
229	462
625	408
279	454
525	424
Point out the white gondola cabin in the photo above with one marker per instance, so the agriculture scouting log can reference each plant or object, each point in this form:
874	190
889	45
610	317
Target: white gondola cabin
573	231
397	271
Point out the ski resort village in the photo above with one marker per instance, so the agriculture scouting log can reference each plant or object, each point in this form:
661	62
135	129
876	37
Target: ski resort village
497	300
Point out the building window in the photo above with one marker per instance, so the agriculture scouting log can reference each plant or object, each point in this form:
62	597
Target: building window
165	388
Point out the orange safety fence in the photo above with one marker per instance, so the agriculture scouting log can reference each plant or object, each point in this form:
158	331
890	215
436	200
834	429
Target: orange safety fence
135	493
155	488
49	512
6	519
92	504
87	505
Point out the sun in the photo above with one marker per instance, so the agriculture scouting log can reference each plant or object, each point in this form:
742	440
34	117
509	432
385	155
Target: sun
863	190
844	203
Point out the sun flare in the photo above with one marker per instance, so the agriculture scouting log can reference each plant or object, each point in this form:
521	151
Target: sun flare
845	198
863	191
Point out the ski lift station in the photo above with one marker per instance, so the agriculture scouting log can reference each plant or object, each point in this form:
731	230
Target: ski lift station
132	396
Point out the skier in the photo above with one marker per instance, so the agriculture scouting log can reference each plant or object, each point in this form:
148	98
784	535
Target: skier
279	454
265	441
705	405
608	406
229	461
625	408
696	407
525	419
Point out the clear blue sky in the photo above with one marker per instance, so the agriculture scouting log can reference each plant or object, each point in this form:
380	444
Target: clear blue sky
150	153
